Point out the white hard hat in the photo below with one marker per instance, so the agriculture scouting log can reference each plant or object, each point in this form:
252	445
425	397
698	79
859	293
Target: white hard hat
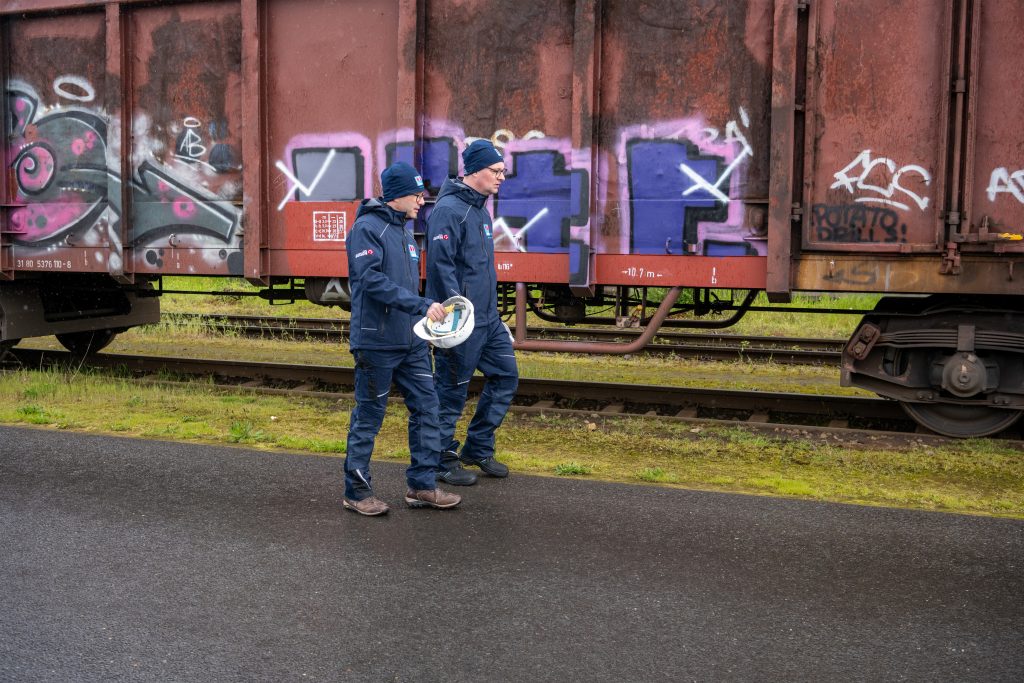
454	329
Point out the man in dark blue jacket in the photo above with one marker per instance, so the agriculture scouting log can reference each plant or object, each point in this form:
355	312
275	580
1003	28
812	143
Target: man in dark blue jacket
384	276
460	261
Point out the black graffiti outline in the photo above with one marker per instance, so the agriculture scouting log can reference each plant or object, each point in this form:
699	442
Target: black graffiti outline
839	222
692	215
559	169
110	189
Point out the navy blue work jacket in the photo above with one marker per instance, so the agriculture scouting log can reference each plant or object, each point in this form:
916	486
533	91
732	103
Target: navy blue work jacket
460	250
384	277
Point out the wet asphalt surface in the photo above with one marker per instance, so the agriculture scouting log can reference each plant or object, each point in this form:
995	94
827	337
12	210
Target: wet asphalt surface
136	560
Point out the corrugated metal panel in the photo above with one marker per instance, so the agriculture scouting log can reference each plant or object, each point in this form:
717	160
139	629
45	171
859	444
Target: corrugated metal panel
172	74
56	144
684	127
504	74
878	97
331	83
184	98
995	186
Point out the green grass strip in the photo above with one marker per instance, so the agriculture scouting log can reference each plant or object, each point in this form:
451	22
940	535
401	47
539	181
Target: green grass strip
981	476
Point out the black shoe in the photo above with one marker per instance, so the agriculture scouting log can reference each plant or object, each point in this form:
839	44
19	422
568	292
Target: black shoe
452	472
489	466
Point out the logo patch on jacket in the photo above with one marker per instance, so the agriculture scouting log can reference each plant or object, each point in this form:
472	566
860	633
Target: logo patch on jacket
487	231
413	254
442	236
364	252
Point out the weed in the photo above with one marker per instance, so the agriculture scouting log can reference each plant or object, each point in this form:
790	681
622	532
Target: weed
39	391
565	469
656	475
33	414
243	432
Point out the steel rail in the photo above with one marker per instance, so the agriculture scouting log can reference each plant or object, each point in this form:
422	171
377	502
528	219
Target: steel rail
534	395
795	351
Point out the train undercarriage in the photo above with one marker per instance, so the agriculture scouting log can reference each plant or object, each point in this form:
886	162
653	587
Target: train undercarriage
955	364
84	311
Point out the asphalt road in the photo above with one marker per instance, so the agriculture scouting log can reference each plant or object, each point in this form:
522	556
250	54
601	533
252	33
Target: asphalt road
137	560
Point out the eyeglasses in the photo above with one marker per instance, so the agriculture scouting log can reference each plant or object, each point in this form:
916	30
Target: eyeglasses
498	172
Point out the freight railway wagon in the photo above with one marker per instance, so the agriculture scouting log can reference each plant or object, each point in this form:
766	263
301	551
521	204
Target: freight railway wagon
657	148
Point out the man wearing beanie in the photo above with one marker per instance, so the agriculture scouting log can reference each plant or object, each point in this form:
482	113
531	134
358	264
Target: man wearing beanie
460	261
384	276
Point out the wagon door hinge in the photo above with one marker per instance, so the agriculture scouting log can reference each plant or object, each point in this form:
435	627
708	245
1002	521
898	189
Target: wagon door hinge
802	5
953	225
951	261
797	213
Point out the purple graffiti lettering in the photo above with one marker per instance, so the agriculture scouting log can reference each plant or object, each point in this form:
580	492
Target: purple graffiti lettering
677	181
541	199
663	219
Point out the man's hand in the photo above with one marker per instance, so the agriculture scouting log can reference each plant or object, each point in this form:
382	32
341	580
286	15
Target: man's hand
436	312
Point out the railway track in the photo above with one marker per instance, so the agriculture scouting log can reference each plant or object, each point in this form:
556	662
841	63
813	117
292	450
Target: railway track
792	351
759	408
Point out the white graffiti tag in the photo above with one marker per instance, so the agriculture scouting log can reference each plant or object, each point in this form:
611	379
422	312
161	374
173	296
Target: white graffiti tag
503	136
80	91
296	184
862	168
516	237
1003	181
733	134
191	145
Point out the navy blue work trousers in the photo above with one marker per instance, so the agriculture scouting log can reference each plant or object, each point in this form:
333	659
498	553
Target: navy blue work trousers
375	371
488	349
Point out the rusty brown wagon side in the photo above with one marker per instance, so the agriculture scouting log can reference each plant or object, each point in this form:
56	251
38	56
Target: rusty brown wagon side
745	145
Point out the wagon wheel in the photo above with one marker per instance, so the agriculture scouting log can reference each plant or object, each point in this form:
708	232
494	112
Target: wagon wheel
961	421
950	419
6	346
84	343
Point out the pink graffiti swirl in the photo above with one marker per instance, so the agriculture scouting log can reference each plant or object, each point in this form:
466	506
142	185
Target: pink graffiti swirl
34	168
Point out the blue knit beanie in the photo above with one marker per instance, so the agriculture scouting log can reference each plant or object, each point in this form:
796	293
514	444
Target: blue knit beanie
400	179
479	155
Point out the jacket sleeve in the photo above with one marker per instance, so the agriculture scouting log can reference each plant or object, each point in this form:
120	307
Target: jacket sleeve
444	239
366	270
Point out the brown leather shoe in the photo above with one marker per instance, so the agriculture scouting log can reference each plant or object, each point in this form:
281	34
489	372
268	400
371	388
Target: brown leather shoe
370	507
433	498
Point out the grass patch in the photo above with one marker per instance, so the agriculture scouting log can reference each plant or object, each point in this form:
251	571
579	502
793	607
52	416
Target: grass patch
33	415
982	476
782	486
656	475
231	296
823	325
243	432
567	469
